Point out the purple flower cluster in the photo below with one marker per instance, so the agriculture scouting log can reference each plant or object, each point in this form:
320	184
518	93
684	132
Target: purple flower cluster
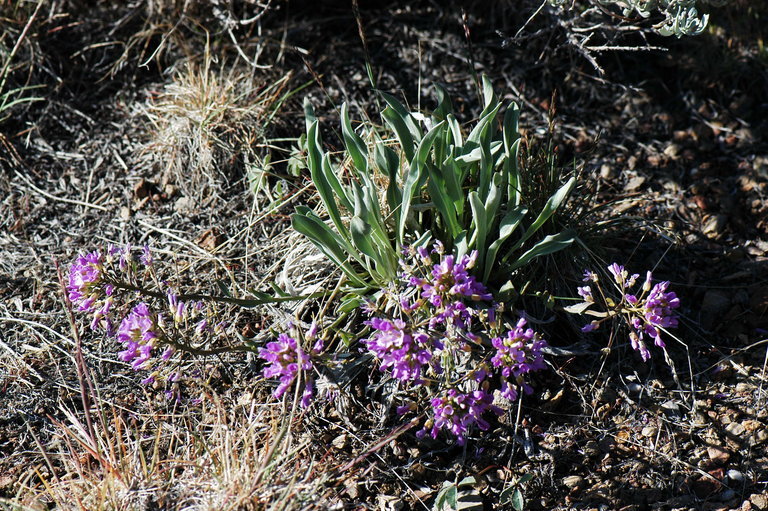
436	328
285	359
446	285
517	354
646	314
139	332
89	291
400	350
105	285
456	412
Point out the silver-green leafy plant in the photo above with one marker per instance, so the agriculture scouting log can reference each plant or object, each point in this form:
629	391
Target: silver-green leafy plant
421	178
681	17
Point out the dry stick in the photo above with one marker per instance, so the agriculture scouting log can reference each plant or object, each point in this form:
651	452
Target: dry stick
80	361
60	199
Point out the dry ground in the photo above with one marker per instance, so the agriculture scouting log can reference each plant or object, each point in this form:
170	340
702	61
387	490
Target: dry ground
176	125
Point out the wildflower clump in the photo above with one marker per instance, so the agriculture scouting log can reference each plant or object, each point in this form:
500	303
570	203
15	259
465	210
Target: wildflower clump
286	360
646	312
153	321
439	333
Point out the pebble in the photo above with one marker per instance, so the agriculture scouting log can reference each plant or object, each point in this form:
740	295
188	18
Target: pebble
735	476
735	429
608	171
718	454
649	431
759	501
573	482
340	442
634	183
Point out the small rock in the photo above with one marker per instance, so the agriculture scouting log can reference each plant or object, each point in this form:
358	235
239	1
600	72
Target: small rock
210	239
718	454
608	171
672	151
714	225
125	213
759	501
183	205
735	476
634	183
340	442
632	162
735	429
759	437
671	408
649	431
573	482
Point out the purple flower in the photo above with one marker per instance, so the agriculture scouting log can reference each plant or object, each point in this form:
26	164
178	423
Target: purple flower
138	332
285	359
178	308
586	293
400	350
657	312
621	276
457	412
85	279
451	277
146	256
519	352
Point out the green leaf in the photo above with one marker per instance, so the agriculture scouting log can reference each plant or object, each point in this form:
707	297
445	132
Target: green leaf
361	237
389	163
415	170
549	245
438	192
444	106
453	124
342	192
327	241
319	177
355	146
350	303
402	123
446	497
451	174
507	226
309	113
511	138
518	502
550	207
479	229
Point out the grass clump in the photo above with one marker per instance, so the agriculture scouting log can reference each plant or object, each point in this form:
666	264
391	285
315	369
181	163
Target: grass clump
208	124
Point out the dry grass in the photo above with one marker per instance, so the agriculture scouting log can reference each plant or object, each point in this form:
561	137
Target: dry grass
223	455
208	123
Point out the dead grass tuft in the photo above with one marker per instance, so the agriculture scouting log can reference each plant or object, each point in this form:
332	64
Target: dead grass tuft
231	452
208	124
